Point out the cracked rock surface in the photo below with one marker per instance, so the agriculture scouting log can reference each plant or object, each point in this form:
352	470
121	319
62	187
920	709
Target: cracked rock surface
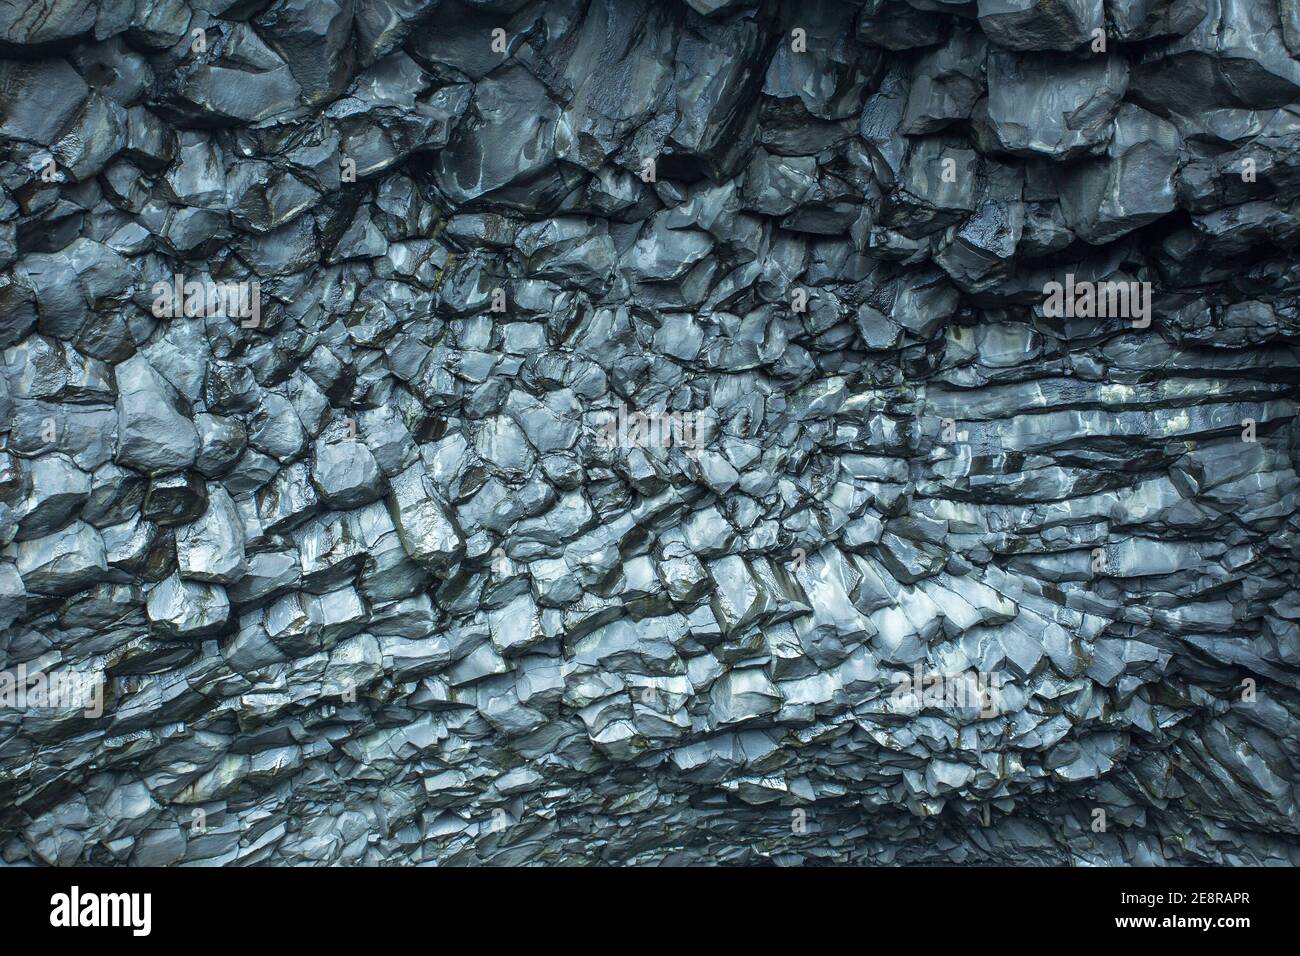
622	431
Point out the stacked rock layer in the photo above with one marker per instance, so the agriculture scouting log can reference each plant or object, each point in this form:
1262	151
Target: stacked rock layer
625	431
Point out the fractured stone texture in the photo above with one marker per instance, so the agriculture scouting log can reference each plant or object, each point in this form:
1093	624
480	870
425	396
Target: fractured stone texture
593	412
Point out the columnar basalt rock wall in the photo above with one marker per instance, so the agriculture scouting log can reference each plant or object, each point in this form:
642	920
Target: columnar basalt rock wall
634	431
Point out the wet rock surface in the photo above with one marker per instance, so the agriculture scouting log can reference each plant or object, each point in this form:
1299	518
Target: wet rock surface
615	431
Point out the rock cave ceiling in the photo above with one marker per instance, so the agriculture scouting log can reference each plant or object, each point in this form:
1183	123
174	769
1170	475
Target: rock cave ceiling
627	432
